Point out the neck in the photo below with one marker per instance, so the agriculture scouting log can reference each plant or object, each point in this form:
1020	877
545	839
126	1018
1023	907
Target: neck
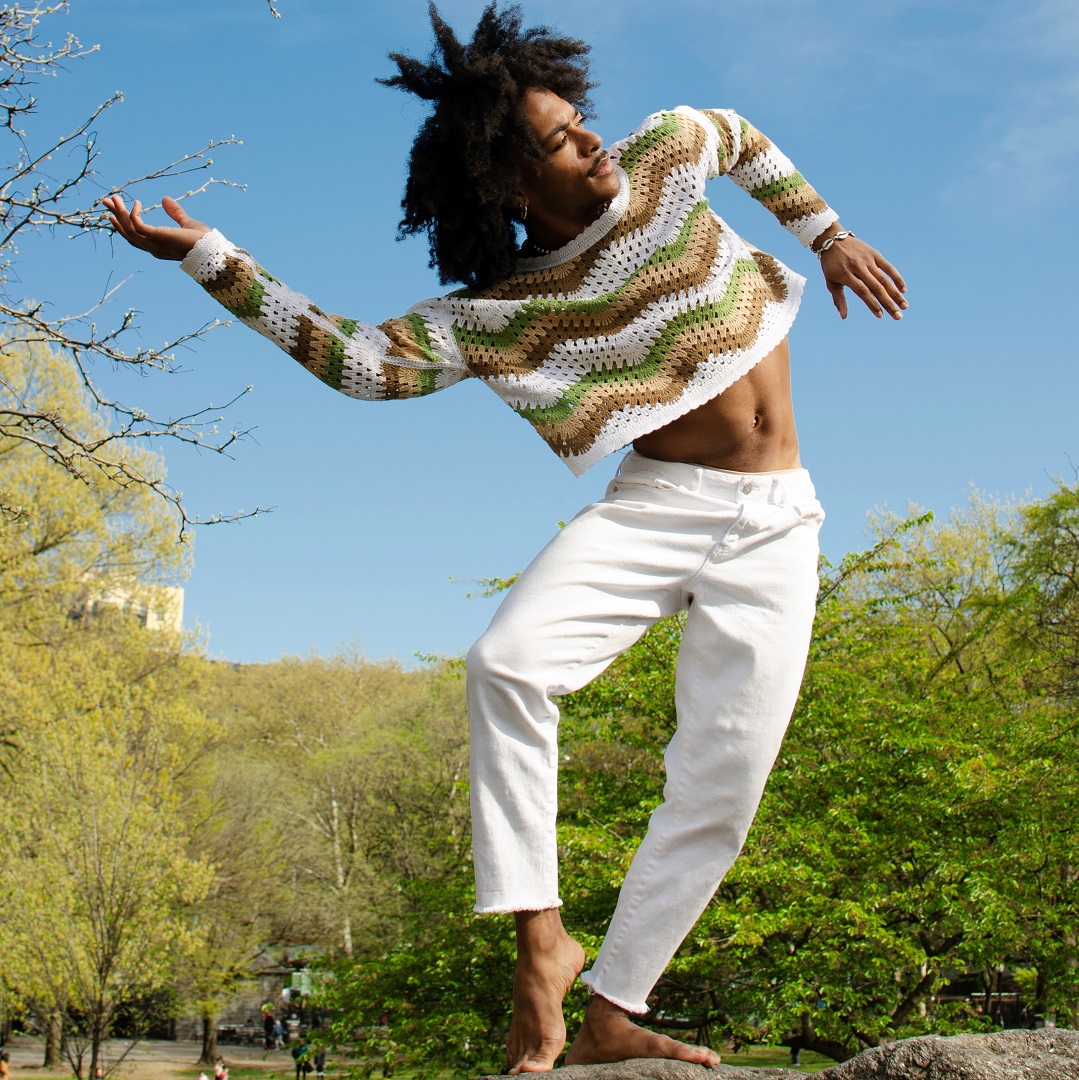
543	237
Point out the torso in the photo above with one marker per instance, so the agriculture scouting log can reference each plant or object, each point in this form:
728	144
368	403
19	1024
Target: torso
748	428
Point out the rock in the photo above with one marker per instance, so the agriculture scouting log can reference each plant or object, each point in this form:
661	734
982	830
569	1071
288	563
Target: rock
1046	1054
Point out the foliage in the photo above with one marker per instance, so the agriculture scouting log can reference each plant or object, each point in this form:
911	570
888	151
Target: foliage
68	537
98	884
917	825
365	763
95	735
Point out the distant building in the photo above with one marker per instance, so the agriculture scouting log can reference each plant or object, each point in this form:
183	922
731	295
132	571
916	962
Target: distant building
156	607
282	982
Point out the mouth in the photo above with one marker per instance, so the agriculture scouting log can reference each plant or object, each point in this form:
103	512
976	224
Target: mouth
602	166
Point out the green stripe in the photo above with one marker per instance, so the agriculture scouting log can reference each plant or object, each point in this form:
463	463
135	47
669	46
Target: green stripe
629	157
335	357
426	377
251	306
507	337
783	186
650	364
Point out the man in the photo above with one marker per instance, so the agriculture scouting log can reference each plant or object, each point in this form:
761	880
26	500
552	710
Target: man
630	314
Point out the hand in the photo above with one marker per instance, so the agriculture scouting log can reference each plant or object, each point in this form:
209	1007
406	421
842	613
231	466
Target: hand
850	263
163	242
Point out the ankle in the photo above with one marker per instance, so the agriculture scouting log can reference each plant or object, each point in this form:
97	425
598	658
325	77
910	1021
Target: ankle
539	932
600	1008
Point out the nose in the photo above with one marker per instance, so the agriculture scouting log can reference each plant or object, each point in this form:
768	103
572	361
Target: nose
588	142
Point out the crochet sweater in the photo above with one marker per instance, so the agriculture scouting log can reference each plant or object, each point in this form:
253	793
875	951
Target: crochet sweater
654	309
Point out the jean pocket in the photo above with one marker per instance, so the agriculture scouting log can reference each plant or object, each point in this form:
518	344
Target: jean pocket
810	512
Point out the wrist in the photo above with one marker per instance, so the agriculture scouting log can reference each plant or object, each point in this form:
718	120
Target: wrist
829	241
825	236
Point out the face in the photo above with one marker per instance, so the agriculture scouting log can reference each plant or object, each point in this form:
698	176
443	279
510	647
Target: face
567	189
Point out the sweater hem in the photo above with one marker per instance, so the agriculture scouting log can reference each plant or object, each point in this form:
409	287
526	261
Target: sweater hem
642	420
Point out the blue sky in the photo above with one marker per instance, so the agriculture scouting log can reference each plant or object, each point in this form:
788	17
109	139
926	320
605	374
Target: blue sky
946	134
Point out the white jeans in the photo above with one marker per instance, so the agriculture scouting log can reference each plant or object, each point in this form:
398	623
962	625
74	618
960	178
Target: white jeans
740	553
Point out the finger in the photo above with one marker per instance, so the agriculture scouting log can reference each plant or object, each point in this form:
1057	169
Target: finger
892	299
174	210
880	299
887	294
865	294
839	298
892	272
117	210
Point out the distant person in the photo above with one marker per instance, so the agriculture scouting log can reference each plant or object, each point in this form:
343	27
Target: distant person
300	1056
5	1064
629	317
268	1030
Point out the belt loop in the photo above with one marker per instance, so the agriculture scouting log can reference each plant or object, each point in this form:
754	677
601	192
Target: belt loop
777	494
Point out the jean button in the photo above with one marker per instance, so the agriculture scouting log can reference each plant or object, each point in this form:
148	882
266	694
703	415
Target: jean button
747	487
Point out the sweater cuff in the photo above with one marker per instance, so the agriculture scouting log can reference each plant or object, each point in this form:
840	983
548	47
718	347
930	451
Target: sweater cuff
207	258
807	229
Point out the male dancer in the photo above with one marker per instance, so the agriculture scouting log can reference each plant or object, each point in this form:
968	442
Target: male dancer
631	314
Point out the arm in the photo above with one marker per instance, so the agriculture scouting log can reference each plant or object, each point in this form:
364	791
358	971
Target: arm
408	357
757	166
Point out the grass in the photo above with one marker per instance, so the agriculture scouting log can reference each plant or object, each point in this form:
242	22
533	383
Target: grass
278	1070
776	1057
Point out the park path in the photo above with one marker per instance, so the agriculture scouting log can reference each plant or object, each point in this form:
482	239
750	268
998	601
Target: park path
154	1059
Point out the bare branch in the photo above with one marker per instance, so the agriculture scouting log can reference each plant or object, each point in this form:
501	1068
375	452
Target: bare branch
55	190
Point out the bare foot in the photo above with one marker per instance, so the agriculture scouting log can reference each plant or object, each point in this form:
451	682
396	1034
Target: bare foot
608	1034
548	963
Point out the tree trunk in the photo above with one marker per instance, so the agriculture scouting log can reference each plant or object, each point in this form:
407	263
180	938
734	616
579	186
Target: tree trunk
209	1038
1072	962
54	1037
808	1039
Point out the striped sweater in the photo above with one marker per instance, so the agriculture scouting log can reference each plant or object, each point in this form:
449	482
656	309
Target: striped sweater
654	309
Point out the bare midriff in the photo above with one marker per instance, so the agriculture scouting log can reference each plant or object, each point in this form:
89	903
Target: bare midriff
747	428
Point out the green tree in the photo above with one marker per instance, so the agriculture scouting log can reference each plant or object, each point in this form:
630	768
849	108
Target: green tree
230	809
70	531
914	826
83	697
917	825
362	757
98	890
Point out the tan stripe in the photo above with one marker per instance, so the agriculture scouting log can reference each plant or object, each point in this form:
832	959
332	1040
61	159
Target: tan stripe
726	136
312	346
402	340
772	272
551	329
566	278
576	434
232	285
791	205
754	143
399	382
653	168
